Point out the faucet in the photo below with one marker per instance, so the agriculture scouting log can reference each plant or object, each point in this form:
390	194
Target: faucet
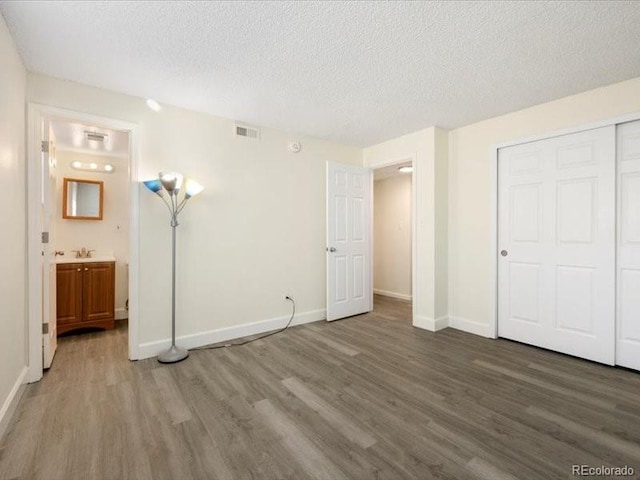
83	253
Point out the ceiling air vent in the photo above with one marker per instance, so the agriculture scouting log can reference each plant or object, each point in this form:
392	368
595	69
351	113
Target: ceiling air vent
95	136
245	131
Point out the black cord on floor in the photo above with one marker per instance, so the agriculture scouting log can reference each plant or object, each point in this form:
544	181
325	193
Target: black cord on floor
225	345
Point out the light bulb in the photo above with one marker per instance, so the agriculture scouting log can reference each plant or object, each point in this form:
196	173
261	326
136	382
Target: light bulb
76	164
108	168
192	188
93	165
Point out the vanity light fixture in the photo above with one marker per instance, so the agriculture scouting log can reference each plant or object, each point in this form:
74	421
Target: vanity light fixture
93	166
167	186
405	169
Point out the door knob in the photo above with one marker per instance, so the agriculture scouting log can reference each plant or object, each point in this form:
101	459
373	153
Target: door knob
332	249
504	253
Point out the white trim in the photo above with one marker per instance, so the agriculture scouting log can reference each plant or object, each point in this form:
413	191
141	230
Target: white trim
151	349
11	403
34	273
430	324
35	115
387	293
472	326
414	224
121	313
493	279
493	257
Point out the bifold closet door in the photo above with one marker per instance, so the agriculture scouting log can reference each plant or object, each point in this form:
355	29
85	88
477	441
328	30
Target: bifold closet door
628	311
556	242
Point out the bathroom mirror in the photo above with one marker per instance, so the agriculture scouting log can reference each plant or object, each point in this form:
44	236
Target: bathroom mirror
82	199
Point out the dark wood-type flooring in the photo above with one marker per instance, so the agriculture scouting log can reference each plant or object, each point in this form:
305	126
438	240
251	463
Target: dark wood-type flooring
369	397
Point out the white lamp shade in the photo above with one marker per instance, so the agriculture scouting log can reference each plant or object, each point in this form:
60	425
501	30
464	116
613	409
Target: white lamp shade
192	188
171	181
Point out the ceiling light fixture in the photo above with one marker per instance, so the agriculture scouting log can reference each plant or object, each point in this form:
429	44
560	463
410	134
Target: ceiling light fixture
153	105
405	169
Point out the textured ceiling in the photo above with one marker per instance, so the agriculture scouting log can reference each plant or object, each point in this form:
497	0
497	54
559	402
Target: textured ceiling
352	72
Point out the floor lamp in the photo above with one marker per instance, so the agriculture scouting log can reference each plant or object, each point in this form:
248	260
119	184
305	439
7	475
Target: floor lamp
168	187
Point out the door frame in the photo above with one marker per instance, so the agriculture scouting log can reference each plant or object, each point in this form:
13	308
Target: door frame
414	226
35	114
493	244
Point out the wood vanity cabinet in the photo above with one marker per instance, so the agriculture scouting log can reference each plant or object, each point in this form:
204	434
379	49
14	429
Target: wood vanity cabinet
85	295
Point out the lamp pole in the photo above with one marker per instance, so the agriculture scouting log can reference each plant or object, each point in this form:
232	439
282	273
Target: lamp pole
170	183
175	353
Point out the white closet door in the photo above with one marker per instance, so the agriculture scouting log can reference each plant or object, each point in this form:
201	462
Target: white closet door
556	272
628	307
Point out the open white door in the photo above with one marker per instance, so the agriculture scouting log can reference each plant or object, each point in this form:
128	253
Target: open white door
349	289
556	281
48	212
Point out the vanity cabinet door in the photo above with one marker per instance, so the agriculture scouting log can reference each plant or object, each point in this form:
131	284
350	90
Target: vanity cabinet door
85	295
98	291
69	293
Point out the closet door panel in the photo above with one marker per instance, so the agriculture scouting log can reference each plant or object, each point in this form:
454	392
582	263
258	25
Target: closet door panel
628	264
556	233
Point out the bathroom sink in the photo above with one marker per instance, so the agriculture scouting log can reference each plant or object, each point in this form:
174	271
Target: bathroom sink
96	258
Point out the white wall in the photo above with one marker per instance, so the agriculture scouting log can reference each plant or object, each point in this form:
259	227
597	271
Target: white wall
111	234
13	323
470	188
428	149
392	236
256	233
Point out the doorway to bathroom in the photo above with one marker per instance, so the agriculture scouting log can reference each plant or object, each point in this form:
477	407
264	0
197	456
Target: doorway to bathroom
82	195
393	240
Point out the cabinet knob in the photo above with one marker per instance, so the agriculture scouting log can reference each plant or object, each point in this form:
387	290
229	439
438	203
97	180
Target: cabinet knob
86	269
79	269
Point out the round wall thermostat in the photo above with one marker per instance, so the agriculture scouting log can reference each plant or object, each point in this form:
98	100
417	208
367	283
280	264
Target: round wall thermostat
295	147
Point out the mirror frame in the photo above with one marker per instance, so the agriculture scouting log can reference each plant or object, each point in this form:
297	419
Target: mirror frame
65	190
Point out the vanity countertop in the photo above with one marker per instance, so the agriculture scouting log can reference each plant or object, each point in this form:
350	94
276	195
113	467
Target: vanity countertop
97	258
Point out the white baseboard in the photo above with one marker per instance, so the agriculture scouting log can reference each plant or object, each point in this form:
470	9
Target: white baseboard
121	313
11	402
387	293
430	324
472	326
151	349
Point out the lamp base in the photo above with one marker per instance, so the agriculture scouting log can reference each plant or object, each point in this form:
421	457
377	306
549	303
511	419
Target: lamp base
173	355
